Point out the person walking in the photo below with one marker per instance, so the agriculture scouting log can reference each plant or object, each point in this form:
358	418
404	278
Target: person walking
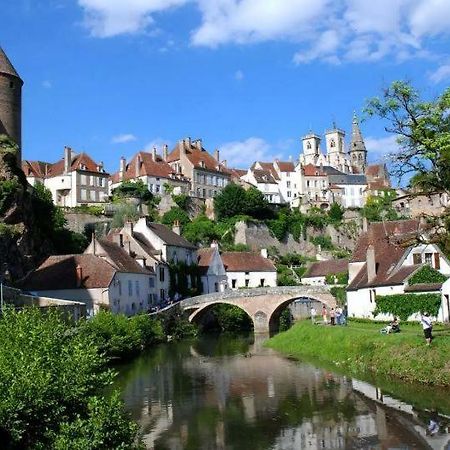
324	314
427	326
333	317
313	315
338	315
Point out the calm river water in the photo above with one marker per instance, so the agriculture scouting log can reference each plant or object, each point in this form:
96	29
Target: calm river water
222	392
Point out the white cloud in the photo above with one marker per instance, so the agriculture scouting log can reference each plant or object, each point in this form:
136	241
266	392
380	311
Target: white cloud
440	74
123	138
242	154
239	75
381	148
106	18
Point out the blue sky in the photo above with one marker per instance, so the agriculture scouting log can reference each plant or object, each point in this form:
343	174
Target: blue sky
250	77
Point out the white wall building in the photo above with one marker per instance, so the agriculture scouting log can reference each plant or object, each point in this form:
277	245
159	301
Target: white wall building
212	269
318	271
249	270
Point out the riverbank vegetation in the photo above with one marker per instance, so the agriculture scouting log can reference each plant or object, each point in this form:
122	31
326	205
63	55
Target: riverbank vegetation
360	348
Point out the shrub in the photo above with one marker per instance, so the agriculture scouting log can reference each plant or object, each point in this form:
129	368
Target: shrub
337	278
175	214
181	200
232	318
323	241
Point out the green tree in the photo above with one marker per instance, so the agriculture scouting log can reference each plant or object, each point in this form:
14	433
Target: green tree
175	214
201	231
232	201
123	212
336	213
257	205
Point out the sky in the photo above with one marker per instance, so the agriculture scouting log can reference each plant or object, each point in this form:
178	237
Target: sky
250	77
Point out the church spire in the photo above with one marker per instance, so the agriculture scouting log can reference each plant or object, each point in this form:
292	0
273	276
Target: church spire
5	65
357	151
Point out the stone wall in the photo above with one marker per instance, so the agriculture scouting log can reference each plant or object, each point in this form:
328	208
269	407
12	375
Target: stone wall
80	222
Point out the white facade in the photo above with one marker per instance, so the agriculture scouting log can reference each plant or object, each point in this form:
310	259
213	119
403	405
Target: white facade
238	280
156	185
268	187
314	281
215	277
444	312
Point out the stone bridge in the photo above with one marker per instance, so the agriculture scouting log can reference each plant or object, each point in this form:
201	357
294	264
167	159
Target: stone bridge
263	305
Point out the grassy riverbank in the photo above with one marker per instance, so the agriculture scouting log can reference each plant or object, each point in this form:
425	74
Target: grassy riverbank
359	347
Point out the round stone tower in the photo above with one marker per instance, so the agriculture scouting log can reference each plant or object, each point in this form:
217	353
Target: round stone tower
10	102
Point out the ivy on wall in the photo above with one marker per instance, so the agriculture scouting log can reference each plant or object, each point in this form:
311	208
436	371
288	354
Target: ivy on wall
404	305
427	275
180	273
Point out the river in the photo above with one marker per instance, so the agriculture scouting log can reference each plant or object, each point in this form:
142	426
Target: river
222	392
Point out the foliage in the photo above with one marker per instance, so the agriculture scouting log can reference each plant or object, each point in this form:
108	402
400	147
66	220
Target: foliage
234	200
231	318
285	277
423	134
201	231
324	242
88	209
121	337
286	320
132	189
427	274
340	294
181	200
176	325
405	305
336	213
8	190
294	259
337	278
175	214
50	376
124	212
185	279
379	207
238	248
358	349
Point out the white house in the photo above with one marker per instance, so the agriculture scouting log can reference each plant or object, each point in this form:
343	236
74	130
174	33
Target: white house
318	271
213	274
73	181
444	313
385	257
122	287
249	270
265	182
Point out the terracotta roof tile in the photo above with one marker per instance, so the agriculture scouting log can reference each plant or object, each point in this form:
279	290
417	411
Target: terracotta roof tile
310	170
246	262
204	258
323	268
286	166
36	169
263	176
60	272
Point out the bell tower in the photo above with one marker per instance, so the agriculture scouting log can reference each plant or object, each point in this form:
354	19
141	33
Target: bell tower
357	151
311	148
10	102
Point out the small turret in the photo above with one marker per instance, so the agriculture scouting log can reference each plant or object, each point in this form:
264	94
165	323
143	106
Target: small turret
10	102
357	151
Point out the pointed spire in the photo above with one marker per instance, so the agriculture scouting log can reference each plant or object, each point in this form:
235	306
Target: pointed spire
5	65
357	142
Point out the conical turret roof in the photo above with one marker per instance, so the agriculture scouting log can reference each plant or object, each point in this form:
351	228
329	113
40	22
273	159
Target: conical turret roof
6	66
357	142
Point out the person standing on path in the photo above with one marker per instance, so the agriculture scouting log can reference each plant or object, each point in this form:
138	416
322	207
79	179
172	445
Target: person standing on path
324	314
332	317
427	326
313	315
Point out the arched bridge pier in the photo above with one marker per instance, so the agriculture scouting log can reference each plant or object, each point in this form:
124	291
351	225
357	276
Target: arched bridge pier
263	305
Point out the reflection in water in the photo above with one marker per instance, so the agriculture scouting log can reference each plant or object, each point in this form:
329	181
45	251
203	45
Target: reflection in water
231	393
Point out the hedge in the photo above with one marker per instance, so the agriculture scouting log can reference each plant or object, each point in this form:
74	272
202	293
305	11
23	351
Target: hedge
404	305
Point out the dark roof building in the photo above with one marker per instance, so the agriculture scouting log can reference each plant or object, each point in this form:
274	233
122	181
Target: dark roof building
324	268
246	262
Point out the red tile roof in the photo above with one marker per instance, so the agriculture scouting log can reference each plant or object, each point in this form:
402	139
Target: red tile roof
268	167
323	268
390	241
36	169
204	258
60	272
263	176
286	166
200	159
310	170
147	166
246	262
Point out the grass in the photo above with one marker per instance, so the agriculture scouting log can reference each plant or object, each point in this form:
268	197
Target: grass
360	348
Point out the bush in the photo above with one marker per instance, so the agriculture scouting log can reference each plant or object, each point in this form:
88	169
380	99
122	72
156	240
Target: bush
427	274
405	305
201	231
337	278
50	376
181	200
232	318
175	214
340	294
323	241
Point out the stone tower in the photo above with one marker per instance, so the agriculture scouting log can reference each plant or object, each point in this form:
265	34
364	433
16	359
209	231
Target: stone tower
311	148
357	151
10	102
335	147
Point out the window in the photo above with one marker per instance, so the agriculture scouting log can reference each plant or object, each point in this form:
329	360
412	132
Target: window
437	261
288	174
158	188
92	195
332	143
119	285
428	258
288	184
137	288
261	282
92	180
130	288
233	284
83	180
307	183
11	84
216	287
417	258
288	193
151	282
308	145
204	193
83	194
247	282
161	274
162	294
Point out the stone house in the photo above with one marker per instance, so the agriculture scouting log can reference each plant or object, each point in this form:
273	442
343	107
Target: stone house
208	176
121	286
212	269
386	256
249	270
419	205
153	171
318	271
75	180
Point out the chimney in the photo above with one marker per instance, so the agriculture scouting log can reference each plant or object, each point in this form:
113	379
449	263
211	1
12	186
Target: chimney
176	227
100	166
182	145
224	163
79	276
154	154
121	240
217	155
264	253
365	225
370	262
165	152
187	143
122	168
198	144
67	159
138	165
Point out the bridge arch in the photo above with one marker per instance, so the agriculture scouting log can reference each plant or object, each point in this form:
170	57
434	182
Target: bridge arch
261	304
